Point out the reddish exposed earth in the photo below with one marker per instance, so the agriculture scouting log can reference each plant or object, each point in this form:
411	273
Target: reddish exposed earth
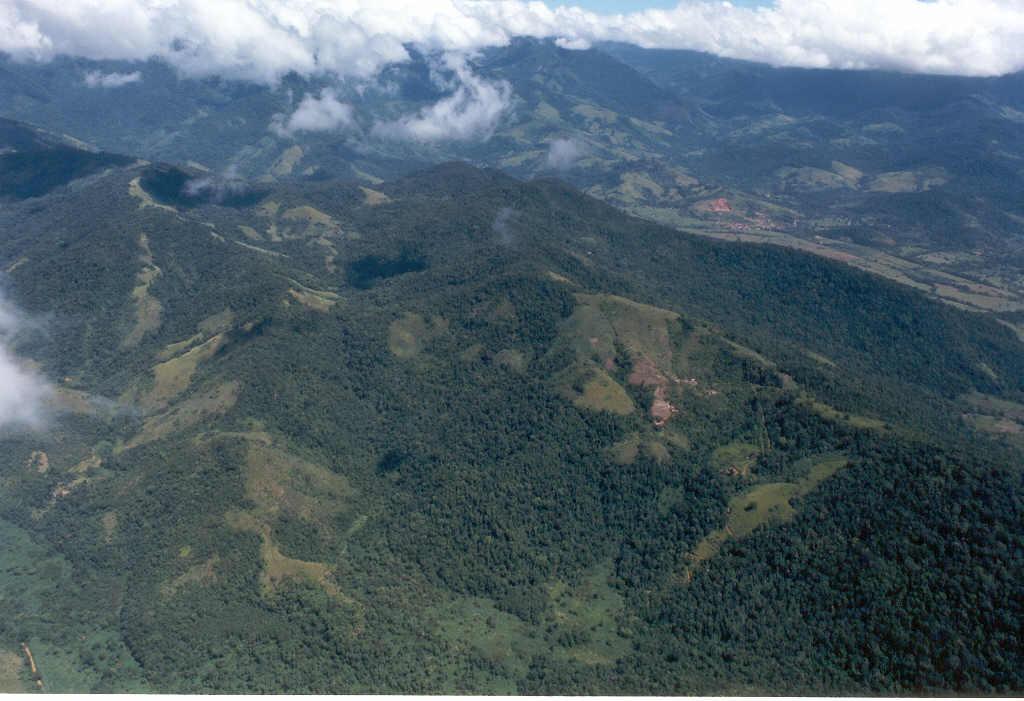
646	374
661	409
719	205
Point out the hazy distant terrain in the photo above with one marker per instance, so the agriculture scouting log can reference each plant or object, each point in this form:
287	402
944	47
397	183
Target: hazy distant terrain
914	177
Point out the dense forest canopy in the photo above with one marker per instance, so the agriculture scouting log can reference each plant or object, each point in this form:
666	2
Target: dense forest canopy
461	432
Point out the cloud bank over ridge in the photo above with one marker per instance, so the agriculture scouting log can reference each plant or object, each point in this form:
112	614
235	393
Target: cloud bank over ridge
563	154
262	40
471	111
97	79
315	113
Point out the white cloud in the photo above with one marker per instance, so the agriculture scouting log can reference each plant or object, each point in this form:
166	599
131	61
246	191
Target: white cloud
323	113
563	154
971	37
22	392
96	79
261	40
472	111
217	188
502	225
21	37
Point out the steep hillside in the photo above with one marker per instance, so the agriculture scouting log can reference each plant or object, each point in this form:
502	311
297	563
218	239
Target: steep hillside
459	432
34	162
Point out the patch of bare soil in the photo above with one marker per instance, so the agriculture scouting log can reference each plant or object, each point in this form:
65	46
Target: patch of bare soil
646	374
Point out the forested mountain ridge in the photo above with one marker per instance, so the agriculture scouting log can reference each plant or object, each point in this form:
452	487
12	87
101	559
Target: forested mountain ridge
460	432
914	177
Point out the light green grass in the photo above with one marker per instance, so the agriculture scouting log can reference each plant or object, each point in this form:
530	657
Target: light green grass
580	624
765	504
832	414
994	406
737	455
602	393
586	619
476	626
13	672
408	335
71	656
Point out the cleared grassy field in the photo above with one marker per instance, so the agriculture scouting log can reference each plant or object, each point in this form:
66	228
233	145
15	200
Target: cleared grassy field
172	377
316	300
738	456
580	623
201	406
408	335
833	414
761	505
35	586
148	310
586	617
12	673
602	393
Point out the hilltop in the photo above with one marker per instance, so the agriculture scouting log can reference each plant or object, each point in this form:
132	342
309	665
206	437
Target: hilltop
461	432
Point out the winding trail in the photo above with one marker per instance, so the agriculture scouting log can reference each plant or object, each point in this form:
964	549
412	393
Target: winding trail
32	665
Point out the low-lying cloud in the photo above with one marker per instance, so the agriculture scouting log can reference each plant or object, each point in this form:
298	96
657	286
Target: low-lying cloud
323	113
471	112
98	79
564	154
23	392
262	40
502	225
217	188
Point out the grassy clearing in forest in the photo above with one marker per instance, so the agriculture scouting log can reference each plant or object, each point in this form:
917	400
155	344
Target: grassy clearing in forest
764	504
12	672
626	451
475	625
201	573
580	624
602	393
148	310
374	198
278	481
317	300
36	585
600	329
215	401
145	200
640	328
172	377
586	619
738	456
832	414
286	162
408	335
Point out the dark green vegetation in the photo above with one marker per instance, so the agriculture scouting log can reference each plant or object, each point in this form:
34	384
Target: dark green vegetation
176	187
460	432
913	177
362	273
34	162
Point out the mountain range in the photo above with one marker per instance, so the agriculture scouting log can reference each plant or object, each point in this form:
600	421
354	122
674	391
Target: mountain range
684	375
